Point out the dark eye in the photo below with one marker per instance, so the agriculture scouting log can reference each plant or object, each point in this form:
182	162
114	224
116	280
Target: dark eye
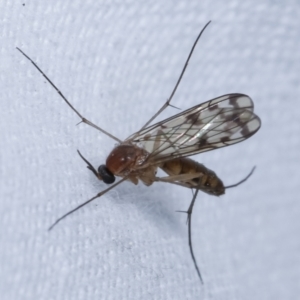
106	175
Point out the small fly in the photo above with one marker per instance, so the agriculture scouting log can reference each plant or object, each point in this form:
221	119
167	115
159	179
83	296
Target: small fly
220	122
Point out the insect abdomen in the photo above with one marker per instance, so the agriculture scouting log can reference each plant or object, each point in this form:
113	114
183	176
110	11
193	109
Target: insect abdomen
207	181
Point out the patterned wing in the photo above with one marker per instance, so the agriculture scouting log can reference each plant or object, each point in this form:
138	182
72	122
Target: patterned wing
217	123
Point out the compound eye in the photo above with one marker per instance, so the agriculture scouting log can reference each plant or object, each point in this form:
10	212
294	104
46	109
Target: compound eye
106	175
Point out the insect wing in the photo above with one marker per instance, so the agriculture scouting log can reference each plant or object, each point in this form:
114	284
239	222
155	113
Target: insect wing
217	123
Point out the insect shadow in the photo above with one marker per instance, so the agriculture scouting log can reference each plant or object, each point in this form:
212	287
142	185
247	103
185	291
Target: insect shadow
220	122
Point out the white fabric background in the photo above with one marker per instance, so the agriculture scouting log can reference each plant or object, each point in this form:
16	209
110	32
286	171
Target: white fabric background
117	62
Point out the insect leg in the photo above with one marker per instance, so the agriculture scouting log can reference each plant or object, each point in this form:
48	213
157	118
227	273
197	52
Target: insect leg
189	221
83	120
181	177
167	103
171	179
242	181
86	202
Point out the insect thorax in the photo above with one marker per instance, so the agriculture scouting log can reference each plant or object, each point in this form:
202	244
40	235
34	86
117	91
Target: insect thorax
125	158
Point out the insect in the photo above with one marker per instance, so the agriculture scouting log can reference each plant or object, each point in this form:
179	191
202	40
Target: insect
217	123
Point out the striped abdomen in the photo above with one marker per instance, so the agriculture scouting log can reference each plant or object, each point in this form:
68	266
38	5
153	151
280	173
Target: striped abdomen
206	180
